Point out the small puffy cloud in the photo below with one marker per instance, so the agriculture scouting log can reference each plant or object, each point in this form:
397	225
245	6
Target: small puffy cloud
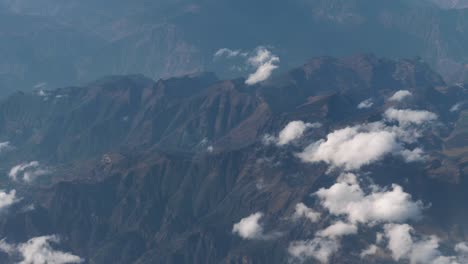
318	248
7	199
27	171
39	250
371	250
416	154
368	103
379	206
406	116
249	227
302	211
264	62
400	95
338	229
293	131
404	246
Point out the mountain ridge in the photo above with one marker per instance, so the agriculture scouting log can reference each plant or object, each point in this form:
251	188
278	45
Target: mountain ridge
150	190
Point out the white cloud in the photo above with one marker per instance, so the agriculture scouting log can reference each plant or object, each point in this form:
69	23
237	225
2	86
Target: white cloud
353	147
399	240
349	178
302	210
7	199
249	227
371	250
379	237
319	248
293	131
5	146
29	171
368	103
268	139
425	251
416	154
41	85
462	248
400	95
7	248
210	149
462	251
404	246
338	229
229	53
348	199
456	107
38	250
406	117
264	62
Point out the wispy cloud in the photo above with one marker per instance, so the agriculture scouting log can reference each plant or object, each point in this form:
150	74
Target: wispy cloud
294	130
5	146
456	107
27	171
338	229
229	53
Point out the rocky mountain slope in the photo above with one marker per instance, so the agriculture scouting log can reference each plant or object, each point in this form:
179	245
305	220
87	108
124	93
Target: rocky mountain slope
129	170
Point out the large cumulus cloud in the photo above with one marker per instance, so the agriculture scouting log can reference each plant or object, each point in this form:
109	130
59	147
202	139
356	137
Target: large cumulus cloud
346	198
353	147
424	250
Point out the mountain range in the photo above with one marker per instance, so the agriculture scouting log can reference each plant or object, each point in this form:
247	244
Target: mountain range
201	169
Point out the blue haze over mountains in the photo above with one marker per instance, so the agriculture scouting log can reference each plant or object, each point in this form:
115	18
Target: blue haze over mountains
60	43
